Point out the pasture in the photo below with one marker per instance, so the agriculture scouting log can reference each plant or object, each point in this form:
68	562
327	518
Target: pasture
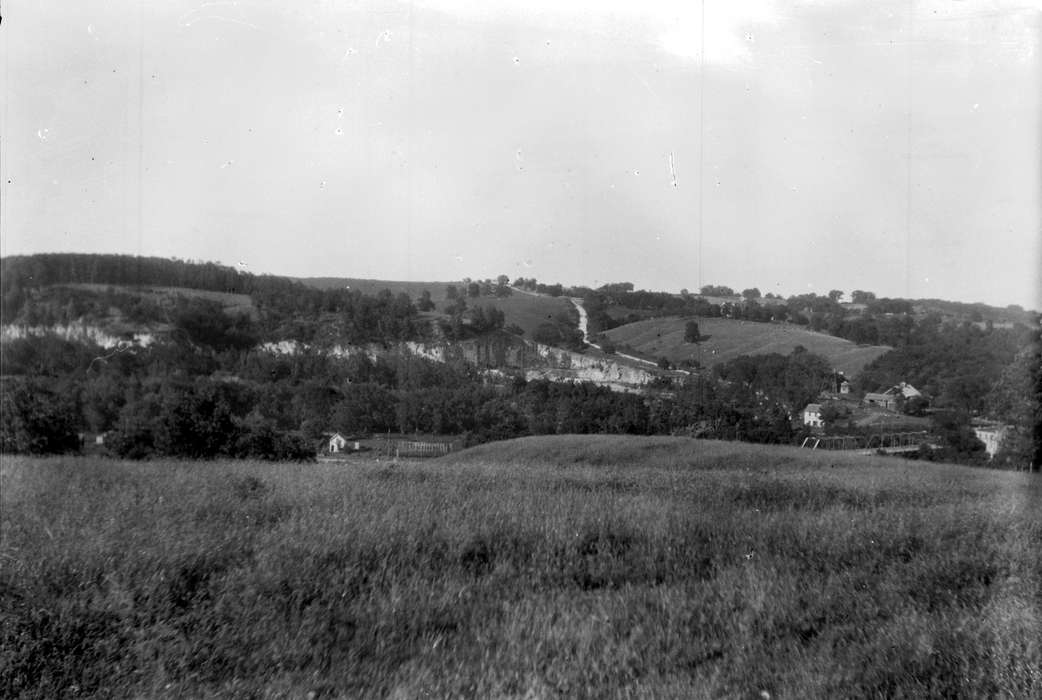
529	311
552	567
727	339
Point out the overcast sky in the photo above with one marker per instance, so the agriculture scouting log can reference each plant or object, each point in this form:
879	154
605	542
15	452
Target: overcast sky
891	146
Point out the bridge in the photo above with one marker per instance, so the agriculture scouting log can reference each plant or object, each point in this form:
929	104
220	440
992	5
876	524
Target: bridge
890	443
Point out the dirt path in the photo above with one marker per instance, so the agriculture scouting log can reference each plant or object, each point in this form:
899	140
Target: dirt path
584	328
583	320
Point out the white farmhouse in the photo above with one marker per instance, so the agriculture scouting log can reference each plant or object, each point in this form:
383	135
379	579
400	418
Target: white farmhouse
337	443
992	435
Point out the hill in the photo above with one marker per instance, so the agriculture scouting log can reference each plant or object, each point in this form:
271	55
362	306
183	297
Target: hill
587	567
529	311
525	310
726	339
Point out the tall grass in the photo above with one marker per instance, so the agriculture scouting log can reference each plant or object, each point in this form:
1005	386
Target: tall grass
541	567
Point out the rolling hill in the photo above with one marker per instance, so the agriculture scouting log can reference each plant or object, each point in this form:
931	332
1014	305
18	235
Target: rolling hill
726	339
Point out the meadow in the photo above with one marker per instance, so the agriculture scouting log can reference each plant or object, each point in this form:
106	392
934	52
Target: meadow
570	567
727	339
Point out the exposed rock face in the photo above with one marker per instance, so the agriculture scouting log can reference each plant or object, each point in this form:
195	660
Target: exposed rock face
78	332
503	351
493	352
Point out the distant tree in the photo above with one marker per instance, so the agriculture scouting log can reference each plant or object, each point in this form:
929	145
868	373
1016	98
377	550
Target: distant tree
502	280
751	293
835	295
487	318
958	441
457	307
710	290
617	287
425	303
364	408
915	406
691	332
685	293
859	296
451	292
664	363
1016	400
473	290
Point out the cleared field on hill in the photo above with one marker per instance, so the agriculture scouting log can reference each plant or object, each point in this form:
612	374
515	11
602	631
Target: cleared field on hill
564	567
729	338
529	311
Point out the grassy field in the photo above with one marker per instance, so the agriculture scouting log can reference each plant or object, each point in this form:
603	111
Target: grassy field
529	311
729	338
570	567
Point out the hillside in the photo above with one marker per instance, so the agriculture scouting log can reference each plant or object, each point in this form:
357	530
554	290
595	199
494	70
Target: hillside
230	302
726	339
529	311
525	310
571	567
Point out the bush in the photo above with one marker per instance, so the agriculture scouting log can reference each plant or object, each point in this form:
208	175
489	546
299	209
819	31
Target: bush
36	420
265	442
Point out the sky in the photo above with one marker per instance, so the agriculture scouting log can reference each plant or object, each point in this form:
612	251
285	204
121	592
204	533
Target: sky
884	145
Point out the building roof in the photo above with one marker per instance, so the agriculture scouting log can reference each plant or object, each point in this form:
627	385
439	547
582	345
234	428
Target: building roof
907	390
903	389
871	396
812	408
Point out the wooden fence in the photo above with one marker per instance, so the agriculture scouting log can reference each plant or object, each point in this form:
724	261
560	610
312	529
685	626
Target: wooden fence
416	448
